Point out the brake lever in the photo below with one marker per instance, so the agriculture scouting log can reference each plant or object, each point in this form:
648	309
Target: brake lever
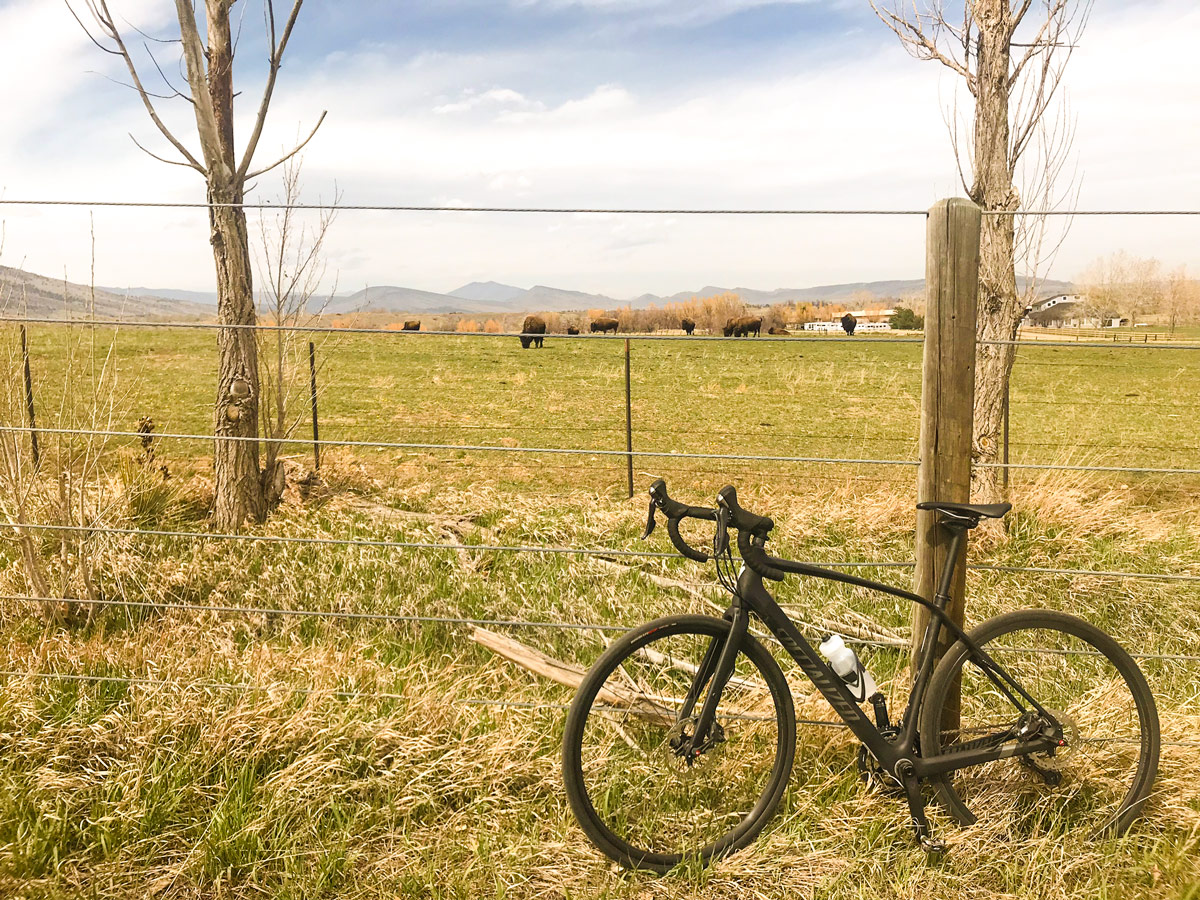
721	536
650	521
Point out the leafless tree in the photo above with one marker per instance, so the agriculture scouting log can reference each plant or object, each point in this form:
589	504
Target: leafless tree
1181	298
208	67
291	271
1129	286
1011	55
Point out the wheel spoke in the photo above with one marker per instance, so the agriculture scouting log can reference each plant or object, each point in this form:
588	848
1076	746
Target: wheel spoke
647	800
1098	778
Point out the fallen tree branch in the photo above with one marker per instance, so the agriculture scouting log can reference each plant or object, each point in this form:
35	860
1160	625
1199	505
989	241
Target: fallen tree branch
571	675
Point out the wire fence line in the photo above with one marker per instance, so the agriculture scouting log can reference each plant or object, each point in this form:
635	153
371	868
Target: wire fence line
577	551
490	448
243	687
592	210
576	451
402	619
397	332
875	340
159	683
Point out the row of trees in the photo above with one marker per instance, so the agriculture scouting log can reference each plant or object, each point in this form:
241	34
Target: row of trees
1138	289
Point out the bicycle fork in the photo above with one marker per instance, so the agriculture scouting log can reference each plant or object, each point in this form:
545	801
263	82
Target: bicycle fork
714	670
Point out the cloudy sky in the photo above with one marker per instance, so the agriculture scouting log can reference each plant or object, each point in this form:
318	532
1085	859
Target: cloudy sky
644	103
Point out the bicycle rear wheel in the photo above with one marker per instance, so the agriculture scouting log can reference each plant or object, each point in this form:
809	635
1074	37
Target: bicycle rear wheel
638	799
1098	783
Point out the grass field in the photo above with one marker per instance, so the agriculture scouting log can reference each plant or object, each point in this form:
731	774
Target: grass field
359	758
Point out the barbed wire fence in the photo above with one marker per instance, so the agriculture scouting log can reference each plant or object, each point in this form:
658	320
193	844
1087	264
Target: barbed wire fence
627	455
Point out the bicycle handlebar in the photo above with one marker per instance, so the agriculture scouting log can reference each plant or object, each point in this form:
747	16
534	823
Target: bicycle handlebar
729	512
741	519
676	512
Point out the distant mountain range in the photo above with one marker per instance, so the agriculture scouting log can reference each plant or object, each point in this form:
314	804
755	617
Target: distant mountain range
26	294
46	297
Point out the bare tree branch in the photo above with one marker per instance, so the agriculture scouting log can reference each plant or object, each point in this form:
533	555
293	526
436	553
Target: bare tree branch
104	19
275	62
206	117
175	92
169	162
292	153
920	43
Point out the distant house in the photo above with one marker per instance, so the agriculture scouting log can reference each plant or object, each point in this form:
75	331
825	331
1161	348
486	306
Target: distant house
1069	311
836	326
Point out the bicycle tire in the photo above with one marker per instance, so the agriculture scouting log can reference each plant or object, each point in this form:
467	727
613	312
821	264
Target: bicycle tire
623	781
1088	681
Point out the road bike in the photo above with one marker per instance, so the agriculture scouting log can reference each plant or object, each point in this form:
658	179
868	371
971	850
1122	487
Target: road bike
680	740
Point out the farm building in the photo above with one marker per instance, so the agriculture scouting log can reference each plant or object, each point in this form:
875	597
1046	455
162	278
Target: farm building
1069	311
837	326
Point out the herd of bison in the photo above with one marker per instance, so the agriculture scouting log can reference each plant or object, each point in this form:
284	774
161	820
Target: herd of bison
534	328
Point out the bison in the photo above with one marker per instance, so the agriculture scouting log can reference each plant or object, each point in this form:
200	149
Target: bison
571	329
744	326
532	331
412	325
604	325
688	326
849	323
775	330
730	325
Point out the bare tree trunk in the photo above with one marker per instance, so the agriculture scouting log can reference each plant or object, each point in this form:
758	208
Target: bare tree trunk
1000	307
1011	98
208	68
239	488
239	492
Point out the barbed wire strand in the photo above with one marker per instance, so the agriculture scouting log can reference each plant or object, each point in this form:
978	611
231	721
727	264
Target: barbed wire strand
590	210
579	551
398	618
575	451
489	448
332	329
531	705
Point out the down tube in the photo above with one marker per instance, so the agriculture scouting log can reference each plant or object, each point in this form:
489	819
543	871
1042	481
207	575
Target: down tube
827	682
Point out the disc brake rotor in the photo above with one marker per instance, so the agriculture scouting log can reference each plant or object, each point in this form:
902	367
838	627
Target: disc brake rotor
1057	759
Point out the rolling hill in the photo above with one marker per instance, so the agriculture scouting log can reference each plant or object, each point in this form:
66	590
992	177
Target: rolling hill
27	294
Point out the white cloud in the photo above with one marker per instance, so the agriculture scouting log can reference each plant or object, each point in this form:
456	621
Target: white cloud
501	98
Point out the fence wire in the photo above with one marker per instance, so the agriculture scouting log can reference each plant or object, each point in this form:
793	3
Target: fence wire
578	551
575	451
796	337
401	619
586	210
530	705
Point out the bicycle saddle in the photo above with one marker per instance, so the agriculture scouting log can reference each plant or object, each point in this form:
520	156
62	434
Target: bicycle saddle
986	510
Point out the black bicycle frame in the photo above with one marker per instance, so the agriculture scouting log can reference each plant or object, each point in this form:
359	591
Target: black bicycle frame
753	597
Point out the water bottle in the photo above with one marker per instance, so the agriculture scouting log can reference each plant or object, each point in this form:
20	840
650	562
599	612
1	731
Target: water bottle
844	662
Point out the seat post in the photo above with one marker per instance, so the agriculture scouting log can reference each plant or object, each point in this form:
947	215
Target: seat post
958	539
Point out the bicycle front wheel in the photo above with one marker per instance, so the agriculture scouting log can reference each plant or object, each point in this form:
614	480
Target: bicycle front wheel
1094	785
636	797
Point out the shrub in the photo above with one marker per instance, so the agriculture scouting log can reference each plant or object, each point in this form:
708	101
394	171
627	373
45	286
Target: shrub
905	319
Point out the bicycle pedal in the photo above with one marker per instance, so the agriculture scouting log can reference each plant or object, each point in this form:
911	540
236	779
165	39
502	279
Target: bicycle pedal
933	846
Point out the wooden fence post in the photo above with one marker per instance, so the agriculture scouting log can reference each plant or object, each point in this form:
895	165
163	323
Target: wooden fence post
33	435
947	393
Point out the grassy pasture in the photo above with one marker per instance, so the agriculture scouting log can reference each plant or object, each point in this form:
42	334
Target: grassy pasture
361	758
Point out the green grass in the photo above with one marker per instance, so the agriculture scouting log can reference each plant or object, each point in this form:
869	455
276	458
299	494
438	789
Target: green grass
113	790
